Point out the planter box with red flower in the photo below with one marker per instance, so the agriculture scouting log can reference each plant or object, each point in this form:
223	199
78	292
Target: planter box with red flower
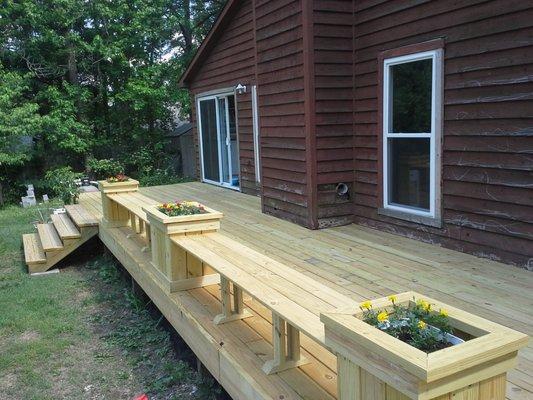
176	268
409	346
115	215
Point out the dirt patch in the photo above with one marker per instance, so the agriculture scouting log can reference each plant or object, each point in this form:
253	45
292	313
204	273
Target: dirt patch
29	336
8	382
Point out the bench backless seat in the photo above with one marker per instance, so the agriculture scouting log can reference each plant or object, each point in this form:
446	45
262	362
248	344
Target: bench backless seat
294	299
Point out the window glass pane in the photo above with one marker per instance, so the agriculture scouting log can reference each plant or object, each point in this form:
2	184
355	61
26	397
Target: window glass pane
409	172
208	119
410	103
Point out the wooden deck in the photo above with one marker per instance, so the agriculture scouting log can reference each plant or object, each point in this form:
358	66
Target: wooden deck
359	262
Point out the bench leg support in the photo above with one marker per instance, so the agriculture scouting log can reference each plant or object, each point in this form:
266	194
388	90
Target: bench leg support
148	238
230	313
286	342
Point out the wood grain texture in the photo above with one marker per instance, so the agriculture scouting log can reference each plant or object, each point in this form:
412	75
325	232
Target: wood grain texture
364	263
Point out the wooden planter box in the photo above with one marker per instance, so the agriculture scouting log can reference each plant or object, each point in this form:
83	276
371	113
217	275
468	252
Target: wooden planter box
131	185
113	214
373	365
175	268
182	224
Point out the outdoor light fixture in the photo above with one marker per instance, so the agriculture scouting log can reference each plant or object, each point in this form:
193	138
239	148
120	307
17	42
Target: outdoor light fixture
240	88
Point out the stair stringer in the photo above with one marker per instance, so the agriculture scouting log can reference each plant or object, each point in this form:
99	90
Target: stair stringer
52	258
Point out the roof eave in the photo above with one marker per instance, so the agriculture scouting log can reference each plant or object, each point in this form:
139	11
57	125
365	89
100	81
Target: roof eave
207	43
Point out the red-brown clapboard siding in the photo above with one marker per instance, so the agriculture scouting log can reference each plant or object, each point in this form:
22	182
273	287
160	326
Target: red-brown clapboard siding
229	62
487	168
281	98
333	74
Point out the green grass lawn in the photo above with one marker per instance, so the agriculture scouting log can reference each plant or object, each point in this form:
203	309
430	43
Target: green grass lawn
82	333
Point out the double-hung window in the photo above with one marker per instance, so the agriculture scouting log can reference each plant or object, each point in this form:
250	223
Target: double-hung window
412	104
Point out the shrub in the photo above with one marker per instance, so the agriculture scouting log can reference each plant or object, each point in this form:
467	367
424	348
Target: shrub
161	177
104	168
62	182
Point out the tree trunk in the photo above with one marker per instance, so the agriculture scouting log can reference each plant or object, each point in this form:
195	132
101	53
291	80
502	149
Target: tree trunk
72	66
186	29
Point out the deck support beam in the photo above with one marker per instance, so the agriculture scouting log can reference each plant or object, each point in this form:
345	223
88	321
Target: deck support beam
230	313
286	342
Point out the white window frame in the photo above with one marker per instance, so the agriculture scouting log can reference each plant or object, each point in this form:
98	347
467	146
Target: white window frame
435	137
215	95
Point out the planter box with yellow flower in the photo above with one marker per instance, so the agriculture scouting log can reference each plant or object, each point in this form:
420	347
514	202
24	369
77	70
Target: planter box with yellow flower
409	346
176	268
114	215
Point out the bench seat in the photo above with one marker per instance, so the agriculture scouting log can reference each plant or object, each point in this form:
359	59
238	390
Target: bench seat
293	296
133	202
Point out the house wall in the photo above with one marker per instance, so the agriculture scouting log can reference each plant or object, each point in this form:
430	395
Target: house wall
262	45
316	68
229	62
281	93
333	74
487	165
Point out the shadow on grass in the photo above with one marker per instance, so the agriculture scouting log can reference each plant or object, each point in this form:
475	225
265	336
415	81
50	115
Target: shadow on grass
87	332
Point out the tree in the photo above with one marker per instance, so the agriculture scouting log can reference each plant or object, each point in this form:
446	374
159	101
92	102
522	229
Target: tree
19	122
19	119
100	76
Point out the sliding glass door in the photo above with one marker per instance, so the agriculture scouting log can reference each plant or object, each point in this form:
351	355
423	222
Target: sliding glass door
218	140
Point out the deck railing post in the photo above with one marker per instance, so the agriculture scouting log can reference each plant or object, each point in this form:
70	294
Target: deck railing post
114	215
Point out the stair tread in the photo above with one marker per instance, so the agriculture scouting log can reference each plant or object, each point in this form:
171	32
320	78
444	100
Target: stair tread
50	240
33	250
81	217
65	227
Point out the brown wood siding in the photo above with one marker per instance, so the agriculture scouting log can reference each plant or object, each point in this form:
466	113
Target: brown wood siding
280	81
487	178
333	47
232	61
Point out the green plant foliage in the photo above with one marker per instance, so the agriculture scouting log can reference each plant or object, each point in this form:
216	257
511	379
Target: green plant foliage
19	119
94	79
157	177
181	208
415	323
104	168
62	181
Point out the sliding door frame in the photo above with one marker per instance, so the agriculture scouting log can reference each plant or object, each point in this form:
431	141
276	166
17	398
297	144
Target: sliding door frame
216	95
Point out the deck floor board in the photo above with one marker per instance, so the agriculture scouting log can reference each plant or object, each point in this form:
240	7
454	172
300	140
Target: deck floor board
365	263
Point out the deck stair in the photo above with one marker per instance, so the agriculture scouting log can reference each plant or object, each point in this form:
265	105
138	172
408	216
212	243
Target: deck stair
54	241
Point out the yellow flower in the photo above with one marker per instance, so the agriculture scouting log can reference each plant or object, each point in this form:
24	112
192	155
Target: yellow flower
422	325
366	305
443	312
393	299
383	316
424	304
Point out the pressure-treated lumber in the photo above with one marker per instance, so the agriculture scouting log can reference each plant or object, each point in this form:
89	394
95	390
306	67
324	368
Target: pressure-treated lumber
49	237
65	227
224	349
33	250
363	263
81	217
490	350
230	312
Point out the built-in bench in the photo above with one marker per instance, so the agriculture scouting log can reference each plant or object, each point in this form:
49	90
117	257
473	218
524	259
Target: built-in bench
129	205
196	254
294	299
